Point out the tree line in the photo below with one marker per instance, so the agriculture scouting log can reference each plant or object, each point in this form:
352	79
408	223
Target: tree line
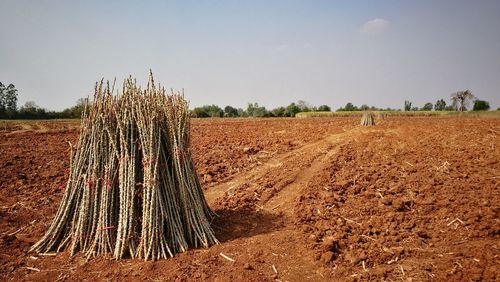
30	110
460	101
255	110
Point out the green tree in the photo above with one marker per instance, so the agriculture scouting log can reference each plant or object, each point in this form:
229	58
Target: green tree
29	106
461	99
8	100
254	110
440	105
30	110
76	110
279	112
324	108
480	105
230	111
207	111
407	106
242	113
427	107
349	107
2	100
364	107
292	110
214	111
199	112
10	97
303	106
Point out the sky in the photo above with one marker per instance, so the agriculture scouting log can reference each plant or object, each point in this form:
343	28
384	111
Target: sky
379	53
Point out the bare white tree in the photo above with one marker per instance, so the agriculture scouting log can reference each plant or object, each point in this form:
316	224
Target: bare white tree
461	99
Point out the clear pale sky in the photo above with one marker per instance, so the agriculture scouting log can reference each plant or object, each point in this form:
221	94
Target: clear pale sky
378	53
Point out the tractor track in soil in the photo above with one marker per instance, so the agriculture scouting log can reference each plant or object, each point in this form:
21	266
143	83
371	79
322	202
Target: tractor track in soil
300	165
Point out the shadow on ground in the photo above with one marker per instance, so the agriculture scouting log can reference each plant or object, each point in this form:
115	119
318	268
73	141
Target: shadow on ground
242	223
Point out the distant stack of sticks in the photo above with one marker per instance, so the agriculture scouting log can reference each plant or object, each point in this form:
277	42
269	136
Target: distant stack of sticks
381	116
367	119
132	190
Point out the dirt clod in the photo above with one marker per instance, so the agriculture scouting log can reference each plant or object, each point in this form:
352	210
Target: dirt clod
327	257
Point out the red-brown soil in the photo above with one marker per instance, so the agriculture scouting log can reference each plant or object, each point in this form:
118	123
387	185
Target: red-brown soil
412	199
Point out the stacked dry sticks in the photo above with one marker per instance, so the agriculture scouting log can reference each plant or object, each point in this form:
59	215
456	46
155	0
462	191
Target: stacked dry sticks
367	119
132	190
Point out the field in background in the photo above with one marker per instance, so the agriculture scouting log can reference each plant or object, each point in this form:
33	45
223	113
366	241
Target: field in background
17	126
400	113
316	199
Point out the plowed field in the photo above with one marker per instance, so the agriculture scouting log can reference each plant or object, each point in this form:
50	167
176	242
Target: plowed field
412	199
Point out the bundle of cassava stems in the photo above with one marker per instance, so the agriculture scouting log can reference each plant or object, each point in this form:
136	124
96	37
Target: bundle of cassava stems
132	190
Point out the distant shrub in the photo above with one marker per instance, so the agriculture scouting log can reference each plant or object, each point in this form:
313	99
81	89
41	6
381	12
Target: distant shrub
324	108
480	105
292	110
230	111
31	111
254	110
427	107
440	105
199	112
407	106
207	111
279	112
349	107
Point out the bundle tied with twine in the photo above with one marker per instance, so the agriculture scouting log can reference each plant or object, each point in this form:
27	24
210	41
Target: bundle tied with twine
368	119
132	190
